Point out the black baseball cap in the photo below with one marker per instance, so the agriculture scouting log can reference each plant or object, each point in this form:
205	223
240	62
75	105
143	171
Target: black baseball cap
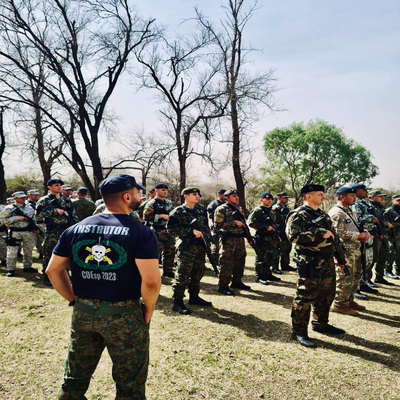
119	183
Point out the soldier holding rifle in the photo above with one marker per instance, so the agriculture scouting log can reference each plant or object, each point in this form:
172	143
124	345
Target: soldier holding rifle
307	227
182	222
393	216
353	236
233	250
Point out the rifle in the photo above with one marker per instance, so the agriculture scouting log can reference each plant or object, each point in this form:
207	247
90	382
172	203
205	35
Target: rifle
338	249
252	241
275	232
32	224
58	205
210	256
379	228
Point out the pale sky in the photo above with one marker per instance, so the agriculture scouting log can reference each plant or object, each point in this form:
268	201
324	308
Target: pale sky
335	60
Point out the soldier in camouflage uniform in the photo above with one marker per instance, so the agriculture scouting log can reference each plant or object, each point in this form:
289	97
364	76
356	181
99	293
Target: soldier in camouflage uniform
210	211
58	214
393	216
113	265
156	214
191	252
232	257
381	256
281	211
344	220
33	197
307	229
3	246
262	219
66	190
152	194
20	230
83	207
367	221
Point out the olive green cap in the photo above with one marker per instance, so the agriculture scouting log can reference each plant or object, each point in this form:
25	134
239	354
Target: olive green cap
376	192
189	190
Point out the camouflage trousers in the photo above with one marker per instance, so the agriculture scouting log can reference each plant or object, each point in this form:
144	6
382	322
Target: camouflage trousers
215	244
126	337
49	242
3	247
232	260
40	238
346	286
318	292
28	241
369	256
266	251
190	269
394	258
282	254
166	249
381	258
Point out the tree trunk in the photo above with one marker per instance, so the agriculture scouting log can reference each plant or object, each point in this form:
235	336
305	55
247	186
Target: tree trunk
3	185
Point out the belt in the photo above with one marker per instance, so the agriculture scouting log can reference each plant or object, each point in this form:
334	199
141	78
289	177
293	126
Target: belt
21	230
314	254
104	308
235	235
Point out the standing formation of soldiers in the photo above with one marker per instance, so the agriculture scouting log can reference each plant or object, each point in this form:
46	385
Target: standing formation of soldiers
336	252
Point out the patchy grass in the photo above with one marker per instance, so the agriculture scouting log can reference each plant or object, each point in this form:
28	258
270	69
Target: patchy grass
238	349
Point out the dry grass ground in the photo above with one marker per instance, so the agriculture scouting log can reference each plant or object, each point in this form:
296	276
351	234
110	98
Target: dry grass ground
239	349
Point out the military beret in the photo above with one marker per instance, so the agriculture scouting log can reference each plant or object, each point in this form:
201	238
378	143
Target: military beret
189	190
267	195
396	197
82	189
360	186
53	181
161	186
345	190
311	188
376	192
33	191
221	191
66	187
10	200
119	183
18	195
152	190
283	194
231	191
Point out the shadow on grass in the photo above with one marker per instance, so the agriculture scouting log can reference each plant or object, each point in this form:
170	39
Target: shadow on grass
388	354
395	324
378	314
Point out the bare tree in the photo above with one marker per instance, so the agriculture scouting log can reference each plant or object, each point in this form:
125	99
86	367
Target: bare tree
3	184
86	45
246	90
182	73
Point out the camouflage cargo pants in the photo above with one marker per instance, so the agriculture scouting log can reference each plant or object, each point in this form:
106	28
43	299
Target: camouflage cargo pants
265	254
381	258
369	255
40	238
28	241
126	337
318	292
215	243
346	286
282	254
232	260
166	249
394	258
49	242
189	271
3	247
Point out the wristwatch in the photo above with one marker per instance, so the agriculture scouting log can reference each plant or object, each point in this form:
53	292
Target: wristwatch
72	303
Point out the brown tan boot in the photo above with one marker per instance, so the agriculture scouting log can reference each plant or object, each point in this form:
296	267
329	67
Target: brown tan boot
356	306
345	310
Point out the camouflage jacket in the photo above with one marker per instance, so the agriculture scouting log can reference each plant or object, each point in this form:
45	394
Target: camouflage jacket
364	216
153	208
281	213
378	211
306	234
46	211
344	221
393	216
83	208
142	207
224	220
12	220
180	219
260	219
211	209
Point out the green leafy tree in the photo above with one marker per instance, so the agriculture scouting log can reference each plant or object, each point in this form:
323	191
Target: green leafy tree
317	153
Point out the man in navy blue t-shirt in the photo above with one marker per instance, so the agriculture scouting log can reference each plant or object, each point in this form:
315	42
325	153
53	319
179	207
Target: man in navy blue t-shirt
113	261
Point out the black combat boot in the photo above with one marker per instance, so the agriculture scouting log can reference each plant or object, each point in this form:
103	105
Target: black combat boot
196	299
180	307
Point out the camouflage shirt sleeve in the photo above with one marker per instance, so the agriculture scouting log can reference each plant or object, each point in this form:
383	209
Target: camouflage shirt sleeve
177	223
